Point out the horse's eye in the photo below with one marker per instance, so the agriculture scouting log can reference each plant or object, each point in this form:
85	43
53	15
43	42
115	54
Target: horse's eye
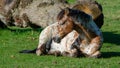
62	23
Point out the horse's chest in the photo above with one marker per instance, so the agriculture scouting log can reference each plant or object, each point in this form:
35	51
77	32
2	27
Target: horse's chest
66	42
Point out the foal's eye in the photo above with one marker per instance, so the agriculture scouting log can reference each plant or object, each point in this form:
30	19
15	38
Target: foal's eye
62	23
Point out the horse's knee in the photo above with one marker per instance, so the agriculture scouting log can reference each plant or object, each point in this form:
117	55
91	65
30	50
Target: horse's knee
96	54
65	53
55	53
57	39
72	53
38	52
41	50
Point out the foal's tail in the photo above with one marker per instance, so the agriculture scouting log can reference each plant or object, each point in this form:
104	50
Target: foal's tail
28	51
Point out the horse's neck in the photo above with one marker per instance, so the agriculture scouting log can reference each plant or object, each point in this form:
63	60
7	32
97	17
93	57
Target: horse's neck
88	30
94	28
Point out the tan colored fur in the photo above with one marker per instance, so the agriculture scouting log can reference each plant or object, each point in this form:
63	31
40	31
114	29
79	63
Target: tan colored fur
88	7
38	15
92	8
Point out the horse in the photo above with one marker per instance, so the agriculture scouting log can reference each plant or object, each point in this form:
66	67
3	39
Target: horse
29	13
40	13
92	8
86	38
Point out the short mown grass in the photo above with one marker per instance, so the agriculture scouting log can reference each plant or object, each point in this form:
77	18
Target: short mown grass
15	39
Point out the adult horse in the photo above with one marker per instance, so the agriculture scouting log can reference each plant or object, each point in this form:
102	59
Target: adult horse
36	13
33	13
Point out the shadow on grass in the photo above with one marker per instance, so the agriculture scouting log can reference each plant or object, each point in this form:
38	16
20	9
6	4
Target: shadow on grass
22	30
110	54
111	37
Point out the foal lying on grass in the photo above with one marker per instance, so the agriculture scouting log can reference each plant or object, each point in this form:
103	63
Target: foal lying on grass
83	38
86	38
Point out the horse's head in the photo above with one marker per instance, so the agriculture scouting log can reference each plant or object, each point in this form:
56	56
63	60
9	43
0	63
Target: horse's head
64	24
81	20
73	16
63	17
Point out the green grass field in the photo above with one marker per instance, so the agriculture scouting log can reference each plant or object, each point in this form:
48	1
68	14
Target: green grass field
16	39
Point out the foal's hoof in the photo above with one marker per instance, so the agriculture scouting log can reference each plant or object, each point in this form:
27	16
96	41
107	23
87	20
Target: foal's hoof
97	54
38	53
65	53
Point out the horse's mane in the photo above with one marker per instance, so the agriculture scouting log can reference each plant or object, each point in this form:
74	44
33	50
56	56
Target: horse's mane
8	1
60	14
76	15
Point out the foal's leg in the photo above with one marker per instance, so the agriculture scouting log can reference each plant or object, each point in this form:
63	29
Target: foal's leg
70	53
41	50
44	48
92	50
56	53
96	54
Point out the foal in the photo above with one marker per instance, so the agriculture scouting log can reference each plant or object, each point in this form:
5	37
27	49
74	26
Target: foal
86	38
75	33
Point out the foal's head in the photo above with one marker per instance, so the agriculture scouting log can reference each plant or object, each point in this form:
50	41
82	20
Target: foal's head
65	23
73	16
79	19
63	16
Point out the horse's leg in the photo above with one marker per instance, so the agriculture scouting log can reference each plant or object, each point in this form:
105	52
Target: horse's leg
41	50
44	48
92	50
96	54
71	53
55	53
97	41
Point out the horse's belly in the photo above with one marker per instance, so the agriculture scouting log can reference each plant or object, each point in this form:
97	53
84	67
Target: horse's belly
57	47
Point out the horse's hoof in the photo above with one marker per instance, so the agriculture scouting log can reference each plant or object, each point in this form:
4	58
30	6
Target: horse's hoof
97	54
38	53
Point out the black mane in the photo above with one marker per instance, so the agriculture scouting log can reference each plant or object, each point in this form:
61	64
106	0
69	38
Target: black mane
79	16
76	15
60	15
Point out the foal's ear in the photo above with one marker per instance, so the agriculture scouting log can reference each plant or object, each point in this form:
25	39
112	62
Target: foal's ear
60	8
67	11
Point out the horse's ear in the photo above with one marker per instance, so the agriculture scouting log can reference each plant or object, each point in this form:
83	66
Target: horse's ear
60	8
67	11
